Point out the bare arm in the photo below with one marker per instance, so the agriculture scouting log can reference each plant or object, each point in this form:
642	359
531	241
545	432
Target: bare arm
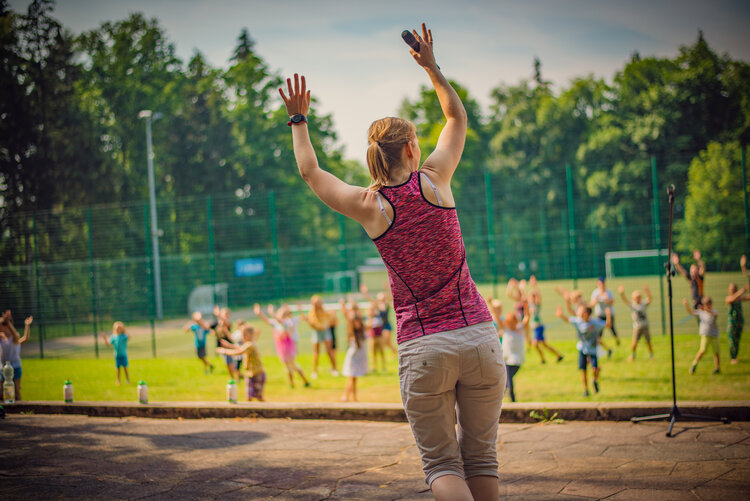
687	307
444	159
621	291
743	265
678	266
734	297
259	312
559	314
352	201
106	339
234	351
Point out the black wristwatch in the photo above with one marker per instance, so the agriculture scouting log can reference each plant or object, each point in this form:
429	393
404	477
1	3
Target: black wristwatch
297	119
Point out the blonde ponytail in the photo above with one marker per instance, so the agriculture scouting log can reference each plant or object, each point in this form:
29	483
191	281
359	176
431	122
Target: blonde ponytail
386	138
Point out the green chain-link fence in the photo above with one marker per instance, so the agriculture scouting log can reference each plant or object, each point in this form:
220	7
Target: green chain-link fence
83	267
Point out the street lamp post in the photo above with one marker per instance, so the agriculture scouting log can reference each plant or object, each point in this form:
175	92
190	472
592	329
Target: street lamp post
149	116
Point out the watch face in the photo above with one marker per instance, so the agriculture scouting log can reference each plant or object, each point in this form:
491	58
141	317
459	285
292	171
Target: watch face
298	118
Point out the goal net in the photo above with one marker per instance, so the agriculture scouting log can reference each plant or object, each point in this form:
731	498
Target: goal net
635	263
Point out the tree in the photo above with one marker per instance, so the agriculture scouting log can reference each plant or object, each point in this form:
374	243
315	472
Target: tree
714	214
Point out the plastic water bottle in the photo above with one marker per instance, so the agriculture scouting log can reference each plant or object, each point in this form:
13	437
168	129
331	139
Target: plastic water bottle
142	392
232	392
9	389
68	392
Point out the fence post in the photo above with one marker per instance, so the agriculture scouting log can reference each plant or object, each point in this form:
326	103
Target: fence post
38	311
275	244
660	270
93	280
744	194
545	244
343	257
149	277
490	229
571	225
211	247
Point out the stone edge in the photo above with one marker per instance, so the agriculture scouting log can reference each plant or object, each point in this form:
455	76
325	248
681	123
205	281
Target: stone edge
512	412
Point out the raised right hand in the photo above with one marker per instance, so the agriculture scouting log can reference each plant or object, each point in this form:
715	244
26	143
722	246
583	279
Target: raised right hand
425	58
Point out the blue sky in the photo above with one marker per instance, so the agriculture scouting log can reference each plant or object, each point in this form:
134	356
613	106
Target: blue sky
360	70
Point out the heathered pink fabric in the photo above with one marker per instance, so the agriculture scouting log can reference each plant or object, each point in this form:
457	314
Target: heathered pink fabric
424	253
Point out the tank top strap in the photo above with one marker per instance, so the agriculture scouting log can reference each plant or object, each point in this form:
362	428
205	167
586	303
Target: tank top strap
434	189
382	208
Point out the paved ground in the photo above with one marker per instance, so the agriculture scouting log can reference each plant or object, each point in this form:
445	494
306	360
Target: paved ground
46	457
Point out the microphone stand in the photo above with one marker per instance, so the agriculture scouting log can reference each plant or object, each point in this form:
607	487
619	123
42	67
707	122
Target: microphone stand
675	413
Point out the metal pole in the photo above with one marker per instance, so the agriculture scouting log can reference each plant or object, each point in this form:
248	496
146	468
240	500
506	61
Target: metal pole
211	249
148	115
275	243
93	282
343	260
490	229
36	285
657	240
149	284
571	225
744	193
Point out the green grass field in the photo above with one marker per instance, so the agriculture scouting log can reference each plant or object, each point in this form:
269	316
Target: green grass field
176	375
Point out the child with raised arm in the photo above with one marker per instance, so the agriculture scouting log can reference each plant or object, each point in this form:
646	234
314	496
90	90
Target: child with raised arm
640	319
708	330
284	328
588	330
539	342
200	330
514	346
695	276
442	321
255	375
736	320
119	342
10	346
355	363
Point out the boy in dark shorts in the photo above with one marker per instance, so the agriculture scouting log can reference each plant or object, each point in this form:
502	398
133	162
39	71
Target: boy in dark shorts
588	329
200	330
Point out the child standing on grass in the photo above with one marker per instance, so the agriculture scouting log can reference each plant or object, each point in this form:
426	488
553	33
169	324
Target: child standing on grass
10	346
255	375
640	319
284	328
588	330
708	330
355	363
736	319
514	345
375	336
119	341
200	330
535	306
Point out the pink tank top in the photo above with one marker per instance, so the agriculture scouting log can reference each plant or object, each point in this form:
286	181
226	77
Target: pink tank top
424	253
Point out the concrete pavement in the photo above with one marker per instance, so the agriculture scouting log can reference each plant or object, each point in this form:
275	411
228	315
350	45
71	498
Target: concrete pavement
72	456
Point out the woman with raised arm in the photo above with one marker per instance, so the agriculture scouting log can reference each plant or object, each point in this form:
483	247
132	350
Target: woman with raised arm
450	362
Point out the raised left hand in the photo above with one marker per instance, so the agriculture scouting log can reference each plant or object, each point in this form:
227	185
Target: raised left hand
298	101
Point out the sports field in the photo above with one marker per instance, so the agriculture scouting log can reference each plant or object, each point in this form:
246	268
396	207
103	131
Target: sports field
176	375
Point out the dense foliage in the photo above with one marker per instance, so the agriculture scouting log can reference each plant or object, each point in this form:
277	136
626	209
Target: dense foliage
70	136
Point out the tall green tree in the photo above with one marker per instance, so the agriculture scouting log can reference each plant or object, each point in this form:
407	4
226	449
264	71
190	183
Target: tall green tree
714	211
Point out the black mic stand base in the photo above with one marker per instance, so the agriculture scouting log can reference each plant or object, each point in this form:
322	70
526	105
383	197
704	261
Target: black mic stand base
675	415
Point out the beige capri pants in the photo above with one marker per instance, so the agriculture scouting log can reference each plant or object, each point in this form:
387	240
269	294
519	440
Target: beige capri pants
451	377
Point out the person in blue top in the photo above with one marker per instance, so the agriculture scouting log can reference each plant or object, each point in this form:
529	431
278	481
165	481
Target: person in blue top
200	330
589	330
119	341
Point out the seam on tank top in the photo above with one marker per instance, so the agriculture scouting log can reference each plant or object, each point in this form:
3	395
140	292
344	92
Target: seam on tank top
421	193
394	217
458	286
416	299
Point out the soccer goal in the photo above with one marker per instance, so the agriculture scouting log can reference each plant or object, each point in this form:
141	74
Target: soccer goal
635	263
